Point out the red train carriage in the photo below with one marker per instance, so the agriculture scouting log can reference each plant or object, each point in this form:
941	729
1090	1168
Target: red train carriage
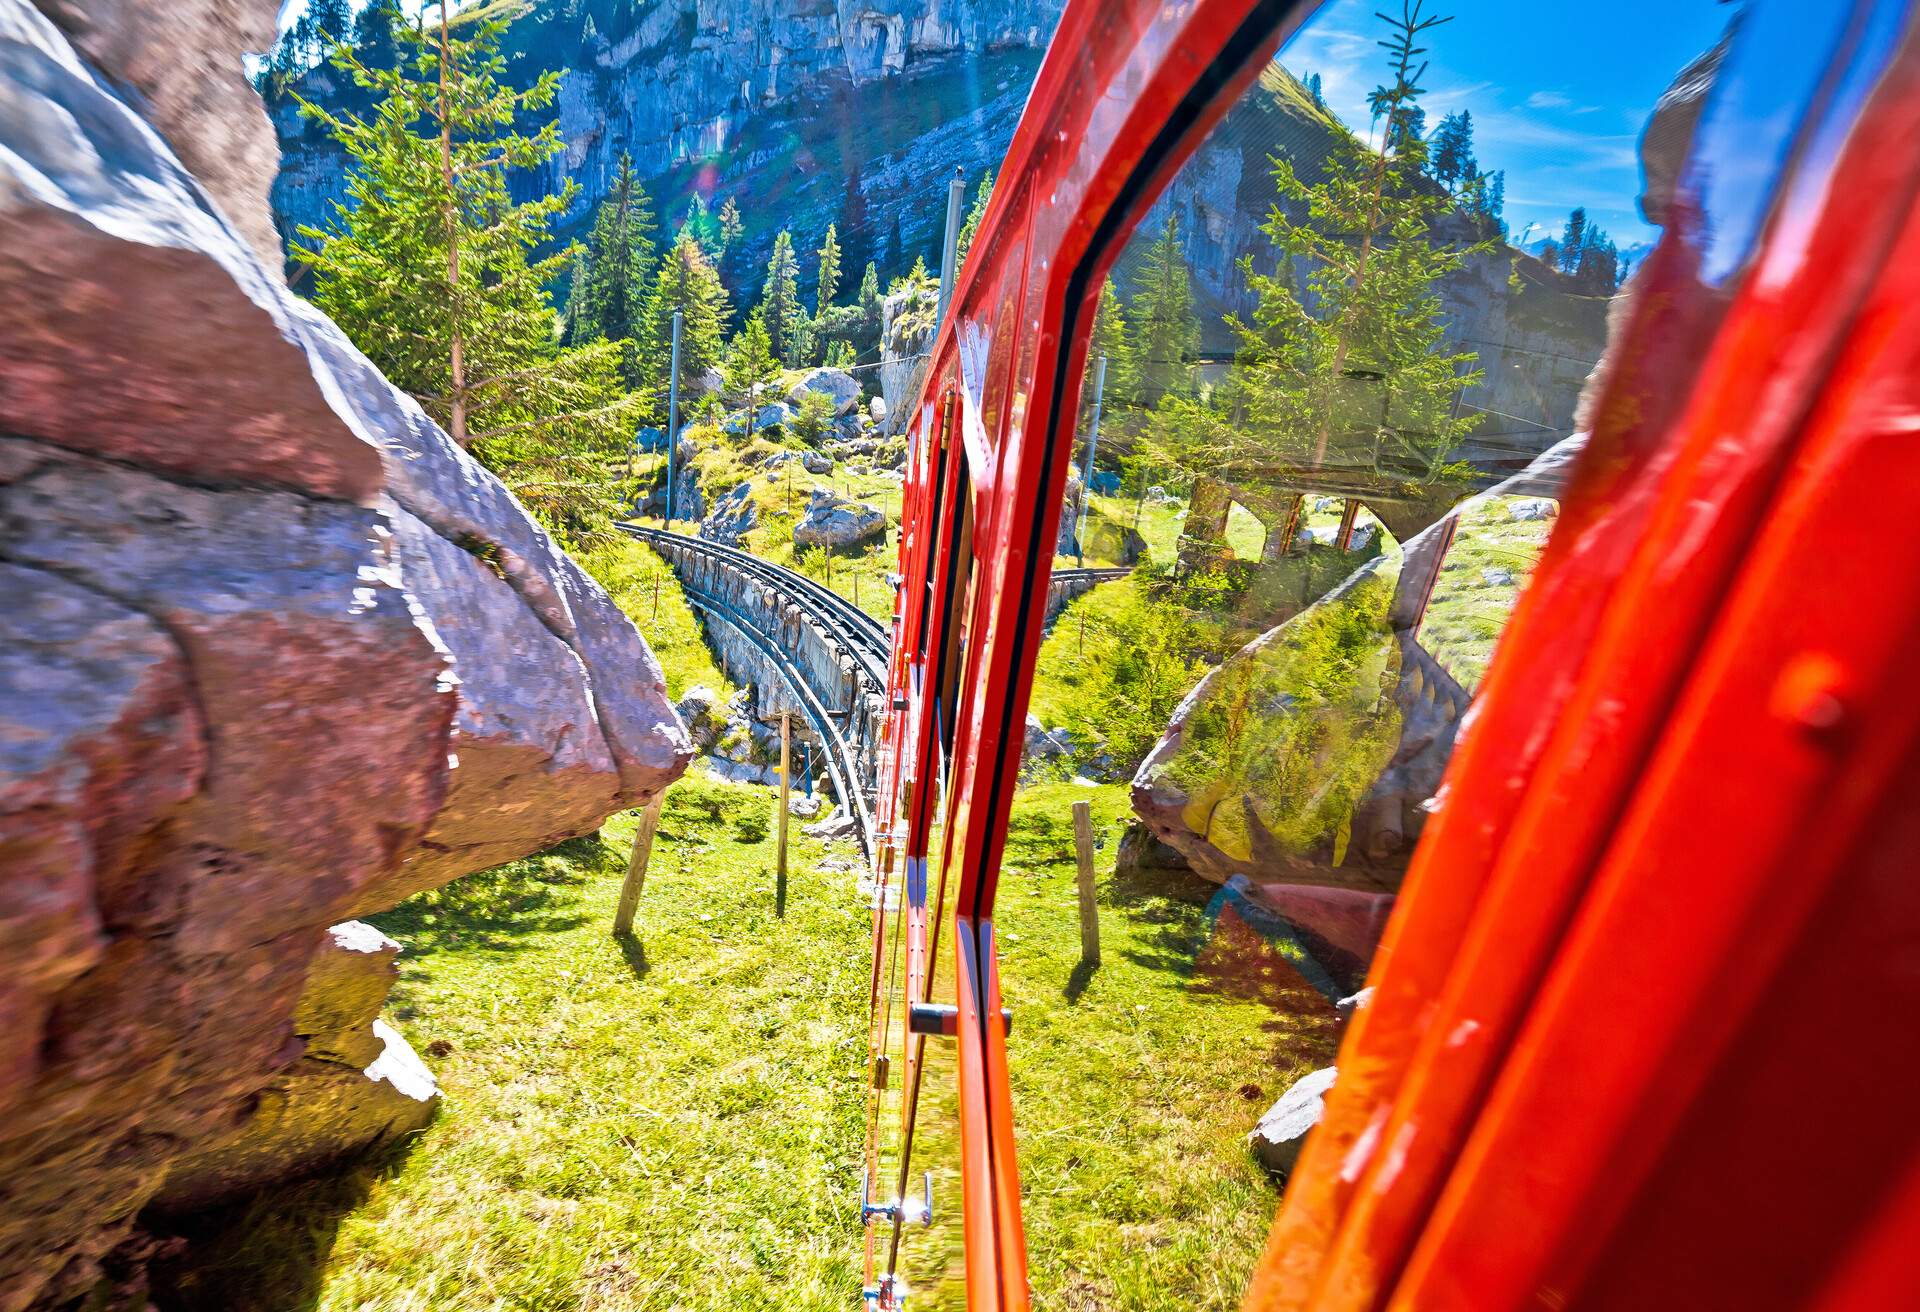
1637	1035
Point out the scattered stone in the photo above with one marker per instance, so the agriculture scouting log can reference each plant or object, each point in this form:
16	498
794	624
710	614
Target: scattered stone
650	441
773	415
805	807
837	385
817	462
709	382
1355	1003
733	516
1497	577
1533	508
842	826
877	410
701	713
1277	1140
832	522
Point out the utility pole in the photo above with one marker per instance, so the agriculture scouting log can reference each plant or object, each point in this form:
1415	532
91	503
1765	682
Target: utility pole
673	414
1086	470
637	865
1089	910
956	198
786	783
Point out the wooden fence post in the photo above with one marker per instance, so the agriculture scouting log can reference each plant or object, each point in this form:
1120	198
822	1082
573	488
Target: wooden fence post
637	865
1089	913
786	785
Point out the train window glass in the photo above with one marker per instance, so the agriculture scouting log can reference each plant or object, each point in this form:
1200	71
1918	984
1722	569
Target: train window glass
1332	382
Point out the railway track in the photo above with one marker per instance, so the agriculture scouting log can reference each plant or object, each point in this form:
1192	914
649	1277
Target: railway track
848	629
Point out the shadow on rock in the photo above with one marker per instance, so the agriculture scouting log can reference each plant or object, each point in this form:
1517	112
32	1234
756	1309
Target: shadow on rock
503	909
267	1253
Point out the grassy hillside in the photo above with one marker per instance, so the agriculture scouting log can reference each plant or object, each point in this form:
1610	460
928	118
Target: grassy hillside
674	1121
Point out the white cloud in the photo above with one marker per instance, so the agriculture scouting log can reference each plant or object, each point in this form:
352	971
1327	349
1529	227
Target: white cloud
1548	100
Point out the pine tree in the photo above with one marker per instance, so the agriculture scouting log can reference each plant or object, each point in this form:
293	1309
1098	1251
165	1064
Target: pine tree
374	39
971	228
780	312
827	285
731	225
1452	163
1314	90
430	268
619	259
1572	239
1550	253
704	228
751	364
332	22
1111	341
686	282
869	302
1166	332
1359	361
895	254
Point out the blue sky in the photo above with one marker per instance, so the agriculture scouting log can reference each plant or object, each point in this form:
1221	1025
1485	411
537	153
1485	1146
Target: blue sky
1559	91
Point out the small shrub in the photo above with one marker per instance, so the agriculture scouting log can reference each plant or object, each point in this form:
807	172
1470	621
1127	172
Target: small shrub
814	417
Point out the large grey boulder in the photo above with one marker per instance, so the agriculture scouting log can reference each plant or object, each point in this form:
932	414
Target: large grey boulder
273	652
837	385
1276	1141
733	516
832	522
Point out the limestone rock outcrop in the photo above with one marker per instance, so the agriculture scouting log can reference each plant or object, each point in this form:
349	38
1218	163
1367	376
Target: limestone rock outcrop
273	653
837	385
831	522
1330	861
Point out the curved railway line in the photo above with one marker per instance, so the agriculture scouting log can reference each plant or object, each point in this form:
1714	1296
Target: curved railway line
850	631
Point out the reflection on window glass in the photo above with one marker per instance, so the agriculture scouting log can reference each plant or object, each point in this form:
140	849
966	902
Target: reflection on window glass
1337	376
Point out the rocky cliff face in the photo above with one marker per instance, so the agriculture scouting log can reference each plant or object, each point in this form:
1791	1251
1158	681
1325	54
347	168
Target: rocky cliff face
807	112
273	653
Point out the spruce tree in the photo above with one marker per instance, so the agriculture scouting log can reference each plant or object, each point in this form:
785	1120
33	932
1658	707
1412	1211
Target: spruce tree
374	39
704	228
1452	163
332	21
781	314
1166	332
686	282
752	365
1110	340
1314	90
868	301
895	253
971	228
1572	239
1357	370
827	285
431	268
619	260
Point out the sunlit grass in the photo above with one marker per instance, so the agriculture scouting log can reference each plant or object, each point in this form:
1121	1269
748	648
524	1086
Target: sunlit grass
674	1122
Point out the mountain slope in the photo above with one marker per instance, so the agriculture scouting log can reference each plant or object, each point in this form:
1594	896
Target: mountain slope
805	112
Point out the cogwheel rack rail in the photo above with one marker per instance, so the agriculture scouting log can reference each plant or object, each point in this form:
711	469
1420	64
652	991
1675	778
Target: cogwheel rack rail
849	630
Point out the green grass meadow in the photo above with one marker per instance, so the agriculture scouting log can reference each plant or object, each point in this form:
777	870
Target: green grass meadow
674	1121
